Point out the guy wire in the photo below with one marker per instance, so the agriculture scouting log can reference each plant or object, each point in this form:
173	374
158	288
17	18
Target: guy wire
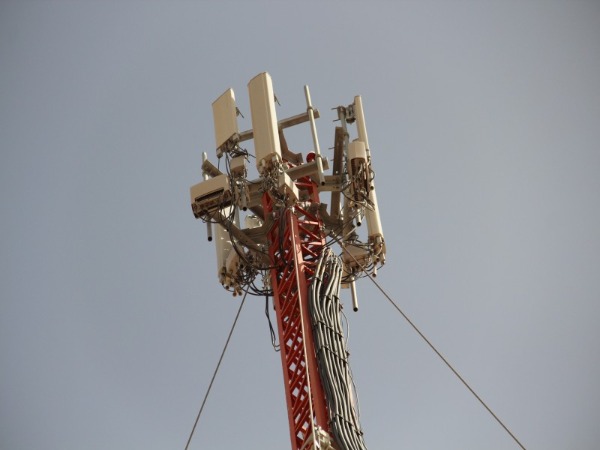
437	352
216	370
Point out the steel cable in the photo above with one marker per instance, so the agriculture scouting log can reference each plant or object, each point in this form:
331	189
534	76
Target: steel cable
437	352
216	370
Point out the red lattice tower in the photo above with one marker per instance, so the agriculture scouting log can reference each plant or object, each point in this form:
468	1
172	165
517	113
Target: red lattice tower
296	242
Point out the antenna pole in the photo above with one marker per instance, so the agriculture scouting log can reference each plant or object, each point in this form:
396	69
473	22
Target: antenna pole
313	130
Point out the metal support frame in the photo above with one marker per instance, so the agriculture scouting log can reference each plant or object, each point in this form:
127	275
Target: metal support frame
296	243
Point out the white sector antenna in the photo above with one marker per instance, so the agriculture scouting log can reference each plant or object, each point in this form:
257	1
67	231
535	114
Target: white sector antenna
225	118
223	247
264	121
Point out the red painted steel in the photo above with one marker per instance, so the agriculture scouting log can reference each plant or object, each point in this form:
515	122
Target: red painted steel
296	242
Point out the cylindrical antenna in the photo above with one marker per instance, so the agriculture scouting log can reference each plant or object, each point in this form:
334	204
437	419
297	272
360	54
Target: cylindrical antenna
354	297
243	200
209	231
359	217
206	177
372	214
313	129
361	127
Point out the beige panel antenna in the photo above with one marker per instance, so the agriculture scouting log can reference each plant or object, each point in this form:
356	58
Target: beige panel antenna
225	118
264	121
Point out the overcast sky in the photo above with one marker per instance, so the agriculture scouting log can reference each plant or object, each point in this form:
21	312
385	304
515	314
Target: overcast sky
484	126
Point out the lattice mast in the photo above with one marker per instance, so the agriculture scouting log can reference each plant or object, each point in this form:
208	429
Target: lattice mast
283	250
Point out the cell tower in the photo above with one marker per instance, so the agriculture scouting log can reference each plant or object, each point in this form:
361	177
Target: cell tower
274	237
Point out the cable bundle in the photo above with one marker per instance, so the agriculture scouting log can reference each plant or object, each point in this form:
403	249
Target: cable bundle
330	347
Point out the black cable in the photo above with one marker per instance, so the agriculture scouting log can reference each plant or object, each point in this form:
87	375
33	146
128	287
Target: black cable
216	370
274	343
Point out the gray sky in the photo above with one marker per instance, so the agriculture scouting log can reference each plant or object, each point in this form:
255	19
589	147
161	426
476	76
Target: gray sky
484	123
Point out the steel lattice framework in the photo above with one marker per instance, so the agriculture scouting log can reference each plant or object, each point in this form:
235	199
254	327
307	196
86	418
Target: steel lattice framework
297	242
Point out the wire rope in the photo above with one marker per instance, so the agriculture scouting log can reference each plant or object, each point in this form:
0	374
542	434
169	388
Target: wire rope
446	362
216	370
